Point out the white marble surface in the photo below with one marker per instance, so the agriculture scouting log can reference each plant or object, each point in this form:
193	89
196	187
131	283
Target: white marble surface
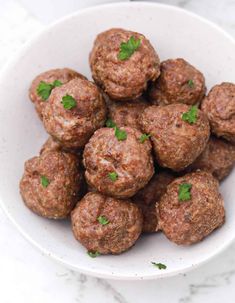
26	276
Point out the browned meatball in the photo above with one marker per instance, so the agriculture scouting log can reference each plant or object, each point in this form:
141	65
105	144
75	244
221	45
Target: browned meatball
51	183
219	106
118	168
106	225
177	143
218	157
127	113
74	111
190	220
63	75
123	79
179	82
147	198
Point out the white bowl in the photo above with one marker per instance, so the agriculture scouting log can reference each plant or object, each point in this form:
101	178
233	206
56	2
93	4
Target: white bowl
174	33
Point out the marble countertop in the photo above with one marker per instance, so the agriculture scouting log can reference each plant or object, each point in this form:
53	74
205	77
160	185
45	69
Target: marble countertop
27	276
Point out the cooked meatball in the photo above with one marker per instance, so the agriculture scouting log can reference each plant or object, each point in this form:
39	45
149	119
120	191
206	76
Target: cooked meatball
190	220
106	225
51	183
218	157
179	82
176	141
147	198
118	168
123	79
219	106
40	97
127	113
74	111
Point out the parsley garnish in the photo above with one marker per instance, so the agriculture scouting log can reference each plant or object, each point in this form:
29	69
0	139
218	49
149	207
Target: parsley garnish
121	135
109	123
191	83
113	176
159	265
103	220
144	137
128	48
68	102
93	254
44	89
184	193
191	115
44	181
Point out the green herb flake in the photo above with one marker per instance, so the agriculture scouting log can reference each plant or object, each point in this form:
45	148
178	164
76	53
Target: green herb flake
159	265
44	181
93	254
144	137
68	102
128	48
103	220
44	89
109	123
184	192
191	115
113	176
191	83
121	135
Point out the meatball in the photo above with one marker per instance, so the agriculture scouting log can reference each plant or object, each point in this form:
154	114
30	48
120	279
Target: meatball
218	158
127	113
51	183
147	198
118	168
191	208
177	141
179	82
219	106
123	79
106	225
74	111
40	97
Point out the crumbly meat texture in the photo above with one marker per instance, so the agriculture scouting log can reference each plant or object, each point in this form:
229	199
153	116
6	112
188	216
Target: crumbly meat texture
123	79
218	158
176	143
188	222
72	128
64	75
130	159
123	228
60	196
127	113
147	198
219	106
179	82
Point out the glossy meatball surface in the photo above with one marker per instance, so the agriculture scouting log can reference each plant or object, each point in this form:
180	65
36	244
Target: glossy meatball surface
179	82
219	106
74	111
218	157
149	196
189	221
123	79
51	183
176	142
127	113
106	225
63	75
118	168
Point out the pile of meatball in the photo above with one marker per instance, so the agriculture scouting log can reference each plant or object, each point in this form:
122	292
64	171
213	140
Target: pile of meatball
140	149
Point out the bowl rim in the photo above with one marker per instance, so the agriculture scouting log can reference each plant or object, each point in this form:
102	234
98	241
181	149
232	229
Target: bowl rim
10	63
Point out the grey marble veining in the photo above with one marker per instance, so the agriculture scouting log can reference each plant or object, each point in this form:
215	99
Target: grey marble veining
26	276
